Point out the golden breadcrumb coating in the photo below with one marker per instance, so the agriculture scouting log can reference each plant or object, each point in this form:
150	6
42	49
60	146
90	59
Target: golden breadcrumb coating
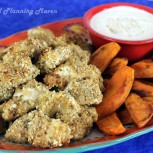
41	34
27	47
40	114
85	92
15	72
54	80
58	41
18	130
50	59
48	102
71	72
59	103
50	132
64	107
39	130
79	55
81	123
69	39
25	98
6	90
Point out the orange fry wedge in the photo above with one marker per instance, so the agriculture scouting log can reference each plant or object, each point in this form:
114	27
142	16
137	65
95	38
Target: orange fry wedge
140	111
111	125
143	68
148	99
116	92
143	88
102	57
125	116
116	64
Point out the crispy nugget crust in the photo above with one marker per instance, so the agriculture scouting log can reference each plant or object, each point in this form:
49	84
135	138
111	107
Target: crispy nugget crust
50	132
18	130
27	47
41	34
25	98
66	67
71	71
15	72
59	103
50	59
54	80
39	130
85	92
81	123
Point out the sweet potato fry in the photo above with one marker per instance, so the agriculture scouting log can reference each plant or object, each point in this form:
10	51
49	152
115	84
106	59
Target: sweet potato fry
148	99
143	88
140	111
103	55
143	68
116	92
111	125
116	64
125	116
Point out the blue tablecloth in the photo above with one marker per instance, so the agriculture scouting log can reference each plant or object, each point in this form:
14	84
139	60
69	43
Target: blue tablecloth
12	22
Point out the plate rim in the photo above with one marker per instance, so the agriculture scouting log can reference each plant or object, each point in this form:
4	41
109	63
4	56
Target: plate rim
91	146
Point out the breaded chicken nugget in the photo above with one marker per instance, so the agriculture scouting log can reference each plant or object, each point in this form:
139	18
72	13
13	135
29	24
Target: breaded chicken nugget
25	98
27	47
18	130
59	103
41	34
85	92
51	58
64	107
71	72
39	130
48	133
15	72
81	123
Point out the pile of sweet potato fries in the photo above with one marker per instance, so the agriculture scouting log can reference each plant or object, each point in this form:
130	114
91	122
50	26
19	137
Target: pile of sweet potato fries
128	97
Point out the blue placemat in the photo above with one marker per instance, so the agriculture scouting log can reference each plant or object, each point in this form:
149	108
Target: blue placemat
18	15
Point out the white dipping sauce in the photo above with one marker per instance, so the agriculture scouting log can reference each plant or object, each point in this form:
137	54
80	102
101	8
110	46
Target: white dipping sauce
124	22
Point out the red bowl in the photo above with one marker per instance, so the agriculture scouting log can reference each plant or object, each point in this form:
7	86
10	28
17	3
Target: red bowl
133	50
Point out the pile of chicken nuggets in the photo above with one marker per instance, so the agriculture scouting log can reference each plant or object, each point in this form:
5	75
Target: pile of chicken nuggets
48	89
51	90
